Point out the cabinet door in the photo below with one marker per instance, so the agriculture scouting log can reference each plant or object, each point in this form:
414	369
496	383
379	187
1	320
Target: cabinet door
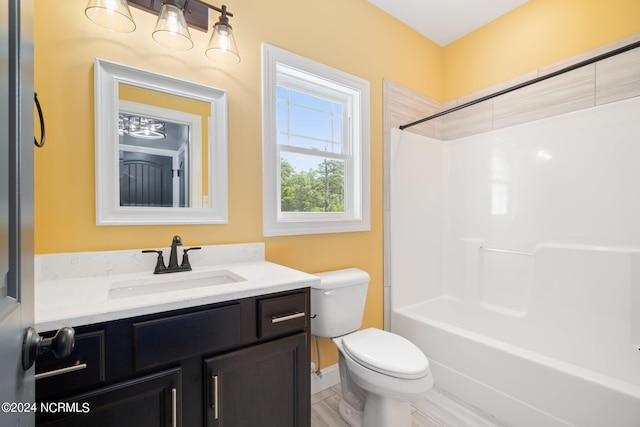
150	401
266	385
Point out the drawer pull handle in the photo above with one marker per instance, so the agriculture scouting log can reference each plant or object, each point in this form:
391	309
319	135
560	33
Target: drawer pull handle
215	397
60	371
278	319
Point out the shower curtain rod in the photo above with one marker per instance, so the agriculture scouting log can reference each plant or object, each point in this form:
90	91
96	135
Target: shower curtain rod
527	83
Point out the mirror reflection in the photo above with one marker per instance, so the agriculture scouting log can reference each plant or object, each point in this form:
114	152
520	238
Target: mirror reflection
154	154
161	148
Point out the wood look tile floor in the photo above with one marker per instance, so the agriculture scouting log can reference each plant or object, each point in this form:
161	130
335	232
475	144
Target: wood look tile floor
439	409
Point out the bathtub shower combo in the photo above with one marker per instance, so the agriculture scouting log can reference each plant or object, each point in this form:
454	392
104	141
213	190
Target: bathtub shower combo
515	265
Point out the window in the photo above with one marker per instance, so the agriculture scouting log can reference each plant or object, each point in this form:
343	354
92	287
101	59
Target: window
315	147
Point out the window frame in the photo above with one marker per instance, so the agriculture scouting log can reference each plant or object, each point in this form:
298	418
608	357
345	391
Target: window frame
279	65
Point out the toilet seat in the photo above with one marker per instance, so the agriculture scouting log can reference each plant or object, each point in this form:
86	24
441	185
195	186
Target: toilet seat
386	353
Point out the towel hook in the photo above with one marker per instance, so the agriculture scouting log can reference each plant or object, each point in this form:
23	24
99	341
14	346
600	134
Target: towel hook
41	117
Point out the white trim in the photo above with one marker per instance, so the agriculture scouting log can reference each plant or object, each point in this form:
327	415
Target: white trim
107	76
357	188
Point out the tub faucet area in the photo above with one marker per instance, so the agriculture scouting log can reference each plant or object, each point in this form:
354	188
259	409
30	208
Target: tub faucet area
173	266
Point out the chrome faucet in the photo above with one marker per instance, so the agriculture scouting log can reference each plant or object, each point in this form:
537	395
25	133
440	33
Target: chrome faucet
173	266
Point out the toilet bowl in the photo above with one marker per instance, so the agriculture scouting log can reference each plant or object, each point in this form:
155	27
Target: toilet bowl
380	372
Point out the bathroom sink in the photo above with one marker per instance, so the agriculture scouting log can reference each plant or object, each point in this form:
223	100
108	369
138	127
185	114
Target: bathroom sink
171	282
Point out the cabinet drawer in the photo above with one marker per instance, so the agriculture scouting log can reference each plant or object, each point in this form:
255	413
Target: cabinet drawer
283	314
170	339
83	367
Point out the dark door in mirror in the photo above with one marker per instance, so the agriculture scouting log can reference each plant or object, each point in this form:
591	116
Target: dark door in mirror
148	180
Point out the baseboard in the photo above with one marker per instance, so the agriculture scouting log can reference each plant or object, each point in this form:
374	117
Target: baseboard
330	377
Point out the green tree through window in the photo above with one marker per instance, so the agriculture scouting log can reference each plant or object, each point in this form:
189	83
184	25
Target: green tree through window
315	190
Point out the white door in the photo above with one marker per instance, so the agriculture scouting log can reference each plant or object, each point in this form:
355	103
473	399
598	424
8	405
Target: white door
16	208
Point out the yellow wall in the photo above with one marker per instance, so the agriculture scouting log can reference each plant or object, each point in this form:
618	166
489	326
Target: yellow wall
350	35
536	34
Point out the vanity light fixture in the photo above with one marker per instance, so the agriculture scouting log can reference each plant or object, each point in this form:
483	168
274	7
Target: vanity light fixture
171	27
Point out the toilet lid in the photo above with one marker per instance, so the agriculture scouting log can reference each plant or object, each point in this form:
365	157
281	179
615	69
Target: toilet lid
387	353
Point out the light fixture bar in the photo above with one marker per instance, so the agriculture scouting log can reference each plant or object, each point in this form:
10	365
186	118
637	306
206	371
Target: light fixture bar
196	11
210	6
171	29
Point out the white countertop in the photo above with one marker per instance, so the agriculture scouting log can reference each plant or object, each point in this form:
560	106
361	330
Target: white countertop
79	301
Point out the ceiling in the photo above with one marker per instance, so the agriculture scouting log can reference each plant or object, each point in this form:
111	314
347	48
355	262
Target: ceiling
444	21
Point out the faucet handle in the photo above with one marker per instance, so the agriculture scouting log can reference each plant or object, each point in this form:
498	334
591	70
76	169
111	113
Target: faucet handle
185	256
159	263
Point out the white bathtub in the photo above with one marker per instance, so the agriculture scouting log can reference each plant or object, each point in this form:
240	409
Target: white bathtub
515	265
472	358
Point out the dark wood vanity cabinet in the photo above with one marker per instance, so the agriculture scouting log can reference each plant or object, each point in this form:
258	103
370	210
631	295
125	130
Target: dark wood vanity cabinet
238	363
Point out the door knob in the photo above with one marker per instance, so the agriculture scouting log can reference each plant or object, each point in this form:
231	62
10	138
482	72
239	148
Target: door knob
34	345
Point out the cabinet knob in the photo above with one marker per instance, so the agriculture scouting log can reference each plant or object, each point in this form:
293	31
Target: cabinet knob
34	345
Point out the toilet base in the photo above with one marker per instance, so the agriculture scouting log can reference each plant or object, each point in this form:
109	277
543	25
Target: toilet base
365	408
378	412
350	415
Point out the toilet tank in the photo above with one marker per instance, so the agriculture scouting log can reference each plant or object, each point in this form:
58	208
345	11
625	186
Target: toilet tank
337	302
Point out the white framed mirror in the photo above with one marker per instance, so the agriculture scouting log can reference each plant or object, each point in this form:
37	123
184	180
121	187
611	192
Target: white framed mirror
161	148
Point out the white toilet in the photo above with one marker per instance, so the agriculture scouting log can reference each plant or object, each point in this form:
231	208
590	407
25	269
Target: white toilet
380	372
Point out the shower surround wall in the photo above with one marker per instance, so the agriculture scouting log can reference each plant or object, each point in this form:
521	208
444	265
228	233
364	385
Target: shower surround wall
513	248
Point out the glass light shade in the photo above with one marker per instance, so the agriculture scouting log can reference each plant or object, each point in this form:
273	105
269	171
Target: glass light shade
111	14
222	45
171	29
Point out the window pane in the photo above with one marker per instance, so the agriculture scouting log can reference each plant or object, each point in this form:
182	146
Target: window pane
310	101
282	116
283	139
281	93
310	123
311	183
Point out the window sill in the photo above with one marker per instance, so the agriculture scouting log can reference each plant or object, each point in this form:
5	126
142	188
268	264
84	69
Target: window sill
297	227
